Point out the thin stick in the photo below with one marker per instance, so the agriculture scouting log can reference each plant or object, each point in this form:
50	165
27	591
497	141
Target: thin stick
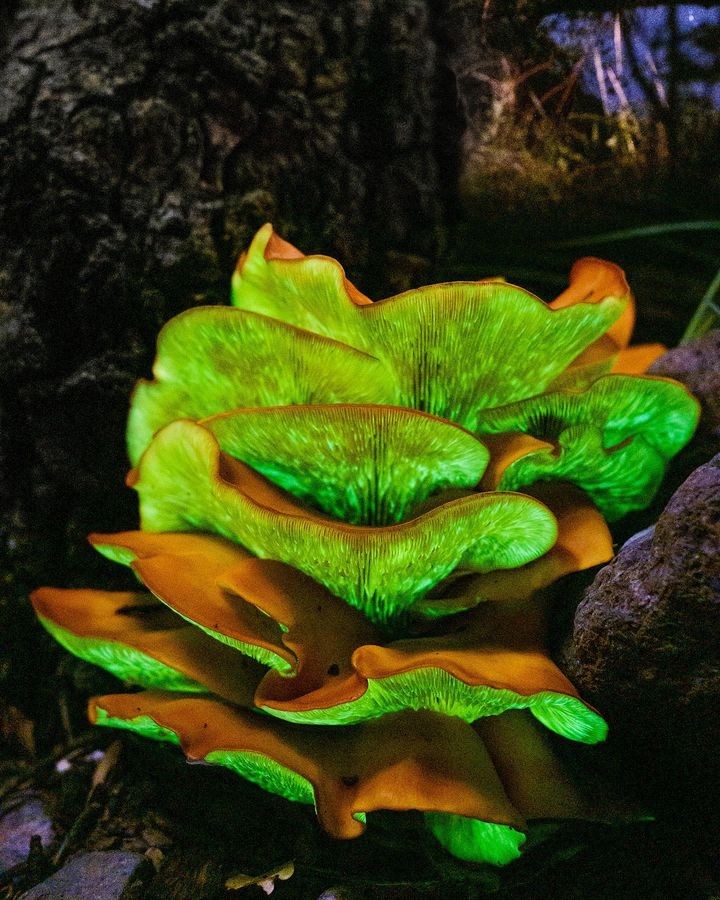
609	237
600	76
618	42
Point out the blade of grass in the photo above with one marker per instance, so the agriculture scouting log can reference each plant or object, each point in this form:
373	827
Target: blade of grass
624	234
707	315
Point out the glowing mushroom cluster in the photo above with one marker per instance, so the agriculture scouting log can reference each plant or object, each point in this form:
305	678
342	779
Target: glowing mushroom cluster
347	510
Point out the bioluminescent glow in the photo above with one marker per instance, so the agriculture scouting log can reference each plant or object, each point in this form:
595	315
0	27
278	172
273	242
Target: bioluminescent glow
349	515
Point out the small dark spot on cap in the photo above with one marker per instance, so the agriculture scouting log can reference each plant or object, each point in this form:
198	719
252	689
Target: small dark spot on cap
333	669
349	780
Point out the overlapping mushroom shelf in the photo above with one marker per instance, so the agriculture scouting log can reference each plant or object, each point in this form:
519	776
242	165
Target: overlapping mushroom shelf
328	664
349	514
417	740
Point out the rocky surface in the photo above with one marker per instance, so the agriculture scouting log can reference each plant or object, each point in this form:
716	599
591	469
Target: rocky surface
697	365
646	651
97	875
26	819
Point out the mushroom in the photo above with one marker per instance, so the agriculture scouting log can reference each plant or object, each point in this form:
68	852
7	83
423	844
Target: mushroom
352	515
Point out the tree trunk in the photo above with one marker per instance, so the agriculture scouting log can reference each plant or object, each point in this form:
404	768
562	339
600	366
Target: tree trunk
141	144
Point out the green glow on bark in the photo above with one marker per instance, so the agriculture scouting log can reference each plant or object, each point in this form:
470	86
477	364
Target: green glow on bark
362	464
437	690
124	662
476	841
381	571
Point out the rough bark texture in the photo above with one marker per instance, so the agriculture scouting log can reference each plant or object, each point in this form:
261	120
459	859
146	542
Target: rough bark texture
646	650
697	365
141	144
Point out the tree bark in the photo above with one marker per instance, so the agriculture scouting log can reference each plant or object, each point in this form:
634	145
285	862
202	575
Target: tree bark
141	144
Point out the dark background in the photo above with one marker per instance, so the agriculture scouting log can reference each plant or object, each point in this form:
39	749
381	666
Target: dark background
142	142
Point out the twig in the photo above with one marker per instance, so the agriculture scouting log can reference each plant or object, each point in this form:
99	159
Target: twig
600	76
94	802
626	114
618	42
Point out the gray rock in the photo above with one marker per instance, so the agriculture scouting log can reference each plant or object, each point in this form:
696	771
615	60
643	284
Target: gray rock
697	366
646	647
17	826
89	876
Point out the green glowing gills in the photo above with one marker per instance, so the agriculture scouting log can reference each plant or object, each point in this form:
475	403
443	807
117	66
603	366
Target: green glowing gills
348	514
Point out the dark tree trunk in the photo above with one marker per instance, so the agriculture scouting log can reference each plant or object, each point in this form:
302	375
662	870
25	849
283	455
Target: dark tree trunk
141	144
